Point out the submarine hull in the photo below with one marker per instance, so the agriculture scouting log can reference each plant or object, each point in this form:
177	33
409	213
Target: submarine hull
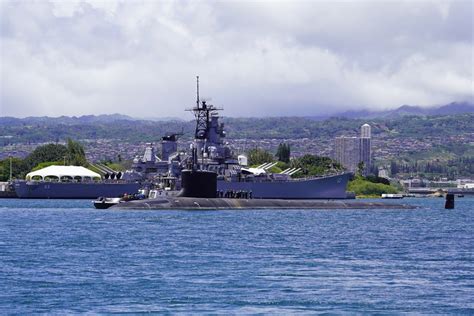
188	203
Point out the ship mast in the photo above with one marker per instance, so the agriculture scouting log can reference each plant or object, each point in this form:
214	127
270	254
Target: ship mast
197	91
202	112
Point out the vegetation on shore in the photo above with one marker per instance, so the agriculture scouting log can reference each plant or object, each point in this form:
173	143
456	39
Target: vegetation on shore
312	165
309	165
451	161
367	187
43	156
370	186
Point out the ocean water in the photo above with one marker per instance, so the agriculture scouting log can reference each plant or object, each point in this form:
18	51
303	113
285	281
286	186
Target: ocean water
60	256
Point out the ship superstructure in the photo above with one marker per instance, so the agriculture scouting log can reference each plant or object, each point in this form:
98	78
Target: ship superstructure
213	154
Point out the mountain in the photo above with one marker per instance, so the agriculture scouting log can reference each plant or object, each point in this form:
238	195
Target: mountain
454	108
66	120
448	109
163	119
136	131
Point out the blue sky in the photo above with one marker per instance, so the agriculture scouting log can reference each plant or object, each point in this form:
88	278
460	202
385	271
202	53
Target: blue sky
254	58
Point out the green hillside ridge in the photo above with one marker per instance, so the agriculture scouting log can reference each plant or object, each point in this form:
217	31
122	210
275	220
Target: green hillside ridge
250	128
450	160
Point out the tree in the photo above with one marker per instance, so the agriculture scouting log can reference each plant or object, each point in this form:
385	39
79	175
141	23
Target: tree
283	152
314	165
44	156
259	156
49	152
360	168
376	179
75	154
18	168
361	186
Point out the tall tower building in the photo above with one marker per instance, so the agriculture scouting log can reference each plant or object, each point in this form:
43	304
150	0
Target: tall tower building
365	148
350	151
347	152
365	131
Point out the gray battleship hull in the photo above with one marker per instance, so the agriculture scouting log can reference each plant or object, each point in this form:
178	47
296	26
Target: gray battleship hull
329	187
72	190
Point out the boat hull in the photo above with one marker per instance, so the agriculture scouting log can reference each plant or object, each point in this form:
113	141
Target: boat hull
72	190
329	187
103	203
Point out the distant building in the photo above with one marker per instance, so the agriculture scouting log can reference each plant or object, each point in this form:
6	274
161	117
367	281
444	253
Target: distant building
365	131
350	151
347	152
365	147
383	173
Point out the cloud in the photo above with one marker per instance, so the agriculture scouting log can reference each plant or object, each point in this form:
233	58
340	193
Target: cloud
254	58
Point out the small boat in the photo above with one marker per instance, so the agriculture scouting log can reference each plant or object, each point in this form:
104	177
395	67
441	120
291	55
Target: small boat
392	196
104	203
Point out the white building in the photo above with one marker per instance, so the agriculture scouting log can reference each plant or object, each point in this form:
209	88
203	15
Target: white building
365	131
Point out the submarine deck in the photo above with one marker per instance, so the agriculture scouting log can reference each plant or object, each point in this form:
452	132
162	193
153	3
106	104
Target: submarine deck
188	203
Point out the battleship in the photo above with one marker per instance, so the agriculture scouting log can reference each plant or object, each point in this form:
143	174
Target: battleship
209	152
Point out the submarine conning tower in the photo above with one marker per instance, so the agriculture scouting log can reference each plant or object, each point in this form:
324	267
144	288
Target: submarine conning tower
198	184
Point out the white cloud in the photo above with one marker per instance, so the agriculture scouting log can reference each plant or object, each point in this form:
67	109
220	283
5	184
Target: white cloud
255	58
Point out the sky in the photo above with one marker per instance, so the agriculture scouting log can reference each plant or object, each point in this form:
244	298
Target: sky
254	58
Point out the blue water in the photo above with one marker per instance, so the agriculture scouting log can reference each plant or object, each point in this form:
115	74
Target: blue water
66	257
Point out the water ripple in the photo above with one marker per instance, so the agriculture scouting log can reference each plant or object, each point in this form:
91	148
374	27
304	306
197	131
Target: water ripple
65	257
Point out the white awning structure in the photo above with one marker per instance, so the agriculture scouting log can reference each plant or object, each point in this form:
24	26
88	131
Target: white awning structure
63	173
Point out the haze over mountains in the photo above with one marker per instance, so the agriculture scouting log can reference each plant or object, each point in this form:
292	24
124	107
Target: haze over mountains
448	109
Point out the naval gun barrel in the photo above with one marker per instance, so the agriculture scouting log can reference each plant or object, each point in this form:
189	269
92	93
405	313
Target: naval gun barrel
294	171
264	165
288	171
270	165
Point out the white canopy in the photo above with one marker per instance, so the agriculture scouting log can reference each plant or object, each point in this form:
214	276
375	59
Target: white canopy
72	172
